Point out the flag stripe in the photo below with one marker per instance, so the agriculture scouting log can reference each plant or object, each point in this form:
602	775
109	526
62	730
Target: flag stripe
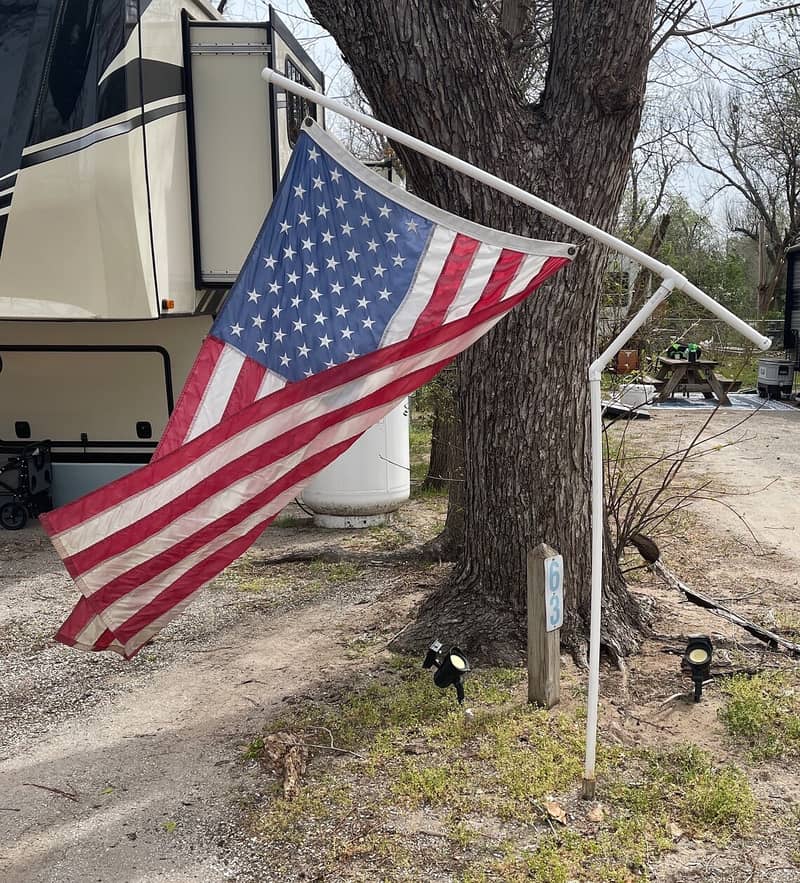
190	397
529	272
245	390
215	398
505	273
448	284
480	273
334	383
428	272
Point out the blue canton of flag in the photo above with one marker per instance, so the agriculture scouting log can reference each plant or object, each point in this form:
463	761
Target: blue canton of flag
328	272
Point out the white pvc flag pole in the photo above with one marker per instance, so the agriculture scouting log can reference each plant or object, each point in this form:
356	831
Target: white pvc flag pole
671	280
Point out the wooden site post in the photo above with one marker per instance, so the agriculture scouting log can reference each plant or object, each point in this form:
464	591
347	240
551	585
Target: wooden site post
545	616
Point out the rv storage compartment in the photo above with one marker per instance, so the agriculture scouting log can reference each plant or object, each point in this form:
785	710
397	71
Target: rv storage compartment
775	377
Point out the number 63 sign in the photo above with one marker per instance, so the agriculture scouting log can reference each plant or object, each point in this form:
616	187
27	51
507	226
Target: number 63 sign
554	591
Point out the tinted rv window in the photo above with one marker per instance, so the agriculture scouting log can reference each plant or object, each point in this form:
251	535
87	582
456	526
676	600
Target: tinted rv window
297	108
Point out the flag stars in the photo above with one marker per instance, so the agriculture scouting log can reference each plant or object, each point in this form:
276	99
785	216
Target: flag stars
262	345
384	210
285	227
285	360
336	288
368	323
296	301
279	335
366	220
379	270
292	277
411	226
253	296
358	280
362	302
313	154
391	236
335	175
236	330
346	229
320	318
308	244
385	294
398	260
299	191
303	351
269	263
358	194
352	254
303	219
322	210
317	182
299	325
289	253
372	245
311	269
331	263
258	321
352	355
315	294
342	310
308	373
327	237
274	288
346	332
276	311
325	341
341	202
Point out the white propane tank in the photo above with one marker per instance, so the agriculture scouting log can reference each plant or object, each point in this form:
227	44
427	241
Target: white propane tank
369	481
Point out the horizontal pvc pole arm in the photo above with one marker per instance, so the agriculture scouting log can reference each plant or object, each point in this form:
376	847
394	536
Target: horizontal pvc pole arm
661	270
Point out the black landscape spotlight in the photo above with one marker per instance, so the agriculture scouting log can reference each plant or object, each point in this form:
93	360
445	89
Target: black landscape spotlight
451	667
698	658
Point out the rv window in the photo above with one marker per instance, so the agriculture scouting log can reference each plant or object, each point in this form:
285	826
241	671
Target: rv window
297	108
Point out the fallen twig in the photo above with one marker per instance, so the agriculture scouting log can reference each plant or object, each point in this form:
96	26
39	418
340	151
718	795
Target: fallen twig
61	793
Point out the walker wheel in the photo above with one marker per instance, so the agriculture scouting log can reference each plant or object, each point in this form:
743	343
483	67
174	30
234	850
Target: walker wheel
13	516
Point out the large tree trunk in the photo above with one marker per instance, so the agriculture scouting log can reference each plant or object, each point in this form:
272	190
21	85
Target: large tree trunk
438	70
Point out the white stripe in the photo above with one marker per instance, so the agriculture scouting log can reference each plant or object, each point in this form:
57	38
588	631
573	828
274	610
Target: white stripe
120	611
271	383
479	274
529	269
422	287
9	175
217	392
104	524
6	210
6	192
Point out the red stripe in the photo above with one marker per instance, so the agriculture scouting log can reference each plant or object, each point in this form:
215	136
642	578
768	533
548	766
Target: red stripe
244	391
447	285
190	397
75	513
502	276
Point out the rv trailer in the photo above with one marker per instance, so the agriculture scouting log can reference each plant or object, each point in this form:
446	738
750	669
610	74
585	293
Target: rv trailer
139	152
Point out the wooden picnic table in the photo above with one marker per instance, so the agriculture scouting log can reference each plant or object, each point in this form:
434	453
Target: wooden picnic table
696	376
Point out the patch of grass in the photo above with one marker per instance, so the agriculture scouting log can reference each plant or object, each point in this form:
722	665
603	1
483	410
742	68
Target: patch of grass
503	765
342	572
764	712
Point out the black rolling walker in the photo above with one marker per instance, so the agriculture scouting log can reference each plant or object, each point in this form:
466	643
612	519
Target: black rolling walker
27	477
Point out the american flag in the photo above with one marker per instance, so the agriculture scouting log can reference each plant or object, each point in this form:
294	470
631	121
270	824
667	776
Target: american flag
354	294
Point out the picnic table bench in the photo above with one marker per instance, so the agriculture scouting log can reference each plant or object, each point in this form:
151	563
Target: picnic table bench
692	376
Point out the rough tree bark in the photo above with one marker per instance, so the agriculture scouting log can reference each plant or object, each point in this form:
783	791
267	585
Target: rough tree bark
440	71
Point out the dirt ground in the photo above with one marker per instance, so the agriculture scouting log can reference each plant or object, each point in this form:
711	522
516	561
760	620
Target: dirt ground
115	771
